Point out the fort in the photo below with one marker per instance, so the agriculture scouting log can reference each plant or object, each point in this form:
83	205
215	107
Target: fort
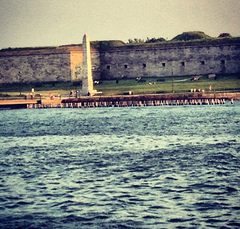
117	60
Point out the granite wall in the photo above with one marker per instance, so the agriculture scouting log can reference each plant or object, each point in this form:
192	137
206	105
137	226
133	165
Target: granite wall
65	63
45	65
163	62
35	68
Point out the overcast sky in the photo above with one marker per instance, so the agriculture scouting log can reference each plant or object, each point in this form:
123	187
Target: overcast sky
31	23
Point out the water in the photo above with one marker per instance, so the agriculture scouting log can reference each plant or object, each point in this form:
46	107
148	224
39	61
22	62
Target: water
133	167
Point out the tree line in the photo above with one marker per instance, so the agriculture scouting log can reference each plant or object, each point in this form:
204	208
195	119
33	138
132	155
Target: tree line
186	36
148	40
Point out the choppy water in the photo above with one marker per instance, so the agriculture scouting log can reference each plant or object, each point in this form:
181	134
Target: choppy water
133	167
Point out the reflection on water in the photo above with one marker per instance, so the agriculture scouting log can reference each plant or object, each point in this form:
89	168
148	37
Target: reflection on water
133	167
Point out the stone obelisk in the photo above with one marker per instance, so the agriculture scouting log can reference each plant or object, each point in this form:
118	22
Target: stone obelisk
87	80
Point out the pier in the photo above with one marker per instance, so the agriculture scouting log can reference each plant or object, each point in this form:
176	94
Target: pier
18	104
124	101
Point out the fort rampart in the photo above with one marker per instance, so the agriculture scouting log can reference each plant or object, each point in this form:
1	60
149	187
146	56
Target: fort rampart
170	61
64	63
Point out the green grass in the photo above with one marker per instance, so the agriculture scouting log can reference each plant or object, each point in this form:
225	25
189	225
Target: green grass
223	83
176	84
57	88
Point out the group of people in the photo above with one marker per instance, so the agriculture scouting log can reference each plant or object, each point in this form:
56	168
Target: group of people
30	95
71	94
201	90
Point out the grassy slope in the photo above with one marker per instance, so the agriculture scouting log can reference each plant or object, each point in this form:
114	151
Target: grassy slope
151	86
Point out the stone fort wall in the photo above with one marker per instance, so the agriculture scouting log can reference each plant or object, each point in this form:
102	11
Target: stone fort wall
168	61
65	63
45	64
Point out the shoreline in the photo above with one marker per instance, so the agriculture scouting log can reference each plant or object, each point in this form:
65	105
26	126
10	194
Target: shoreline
124	100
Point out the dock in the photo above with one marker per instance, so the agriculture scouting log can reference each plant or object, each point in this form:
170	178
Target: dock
18	104
123	101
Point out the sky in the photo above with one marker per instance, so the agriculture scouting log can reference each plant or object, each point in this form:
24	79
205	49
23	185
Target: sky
34	23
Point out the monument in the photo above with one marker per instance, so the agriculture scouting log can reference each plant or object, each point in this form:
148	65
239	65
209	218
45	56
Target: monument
87	80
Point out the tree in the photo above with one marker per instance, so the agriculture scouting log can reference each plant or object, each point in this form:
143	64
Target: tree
130	41
224	35
154	40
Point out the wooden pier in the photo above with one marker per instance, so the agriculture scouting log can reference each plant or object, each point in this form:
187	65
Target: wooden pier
124	101
151	100
18	104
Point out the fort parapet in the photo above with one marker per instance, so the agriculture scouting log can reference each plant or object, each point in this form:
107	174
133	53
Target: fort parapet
64	63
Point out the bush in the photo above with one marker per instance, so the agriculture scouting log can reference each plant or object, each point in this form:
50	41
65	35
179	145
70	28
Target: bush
154	40
141	81
76	84
224	35
107	44
38	85
160	80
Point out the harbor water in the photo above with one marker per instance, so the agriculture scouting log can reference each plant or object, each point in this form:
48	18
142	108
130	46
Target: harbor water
124	167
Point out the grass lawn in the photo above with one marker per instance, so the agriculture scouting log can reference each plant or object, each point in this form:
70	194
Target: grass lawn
176	84
223	83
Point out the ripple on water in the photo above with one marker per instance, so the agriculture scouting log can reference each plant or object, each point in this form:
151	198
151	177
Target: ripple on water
149	167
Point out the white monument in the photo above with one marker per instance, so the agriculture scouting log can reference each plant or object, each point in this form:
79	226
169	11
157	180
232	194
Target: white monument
87	80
